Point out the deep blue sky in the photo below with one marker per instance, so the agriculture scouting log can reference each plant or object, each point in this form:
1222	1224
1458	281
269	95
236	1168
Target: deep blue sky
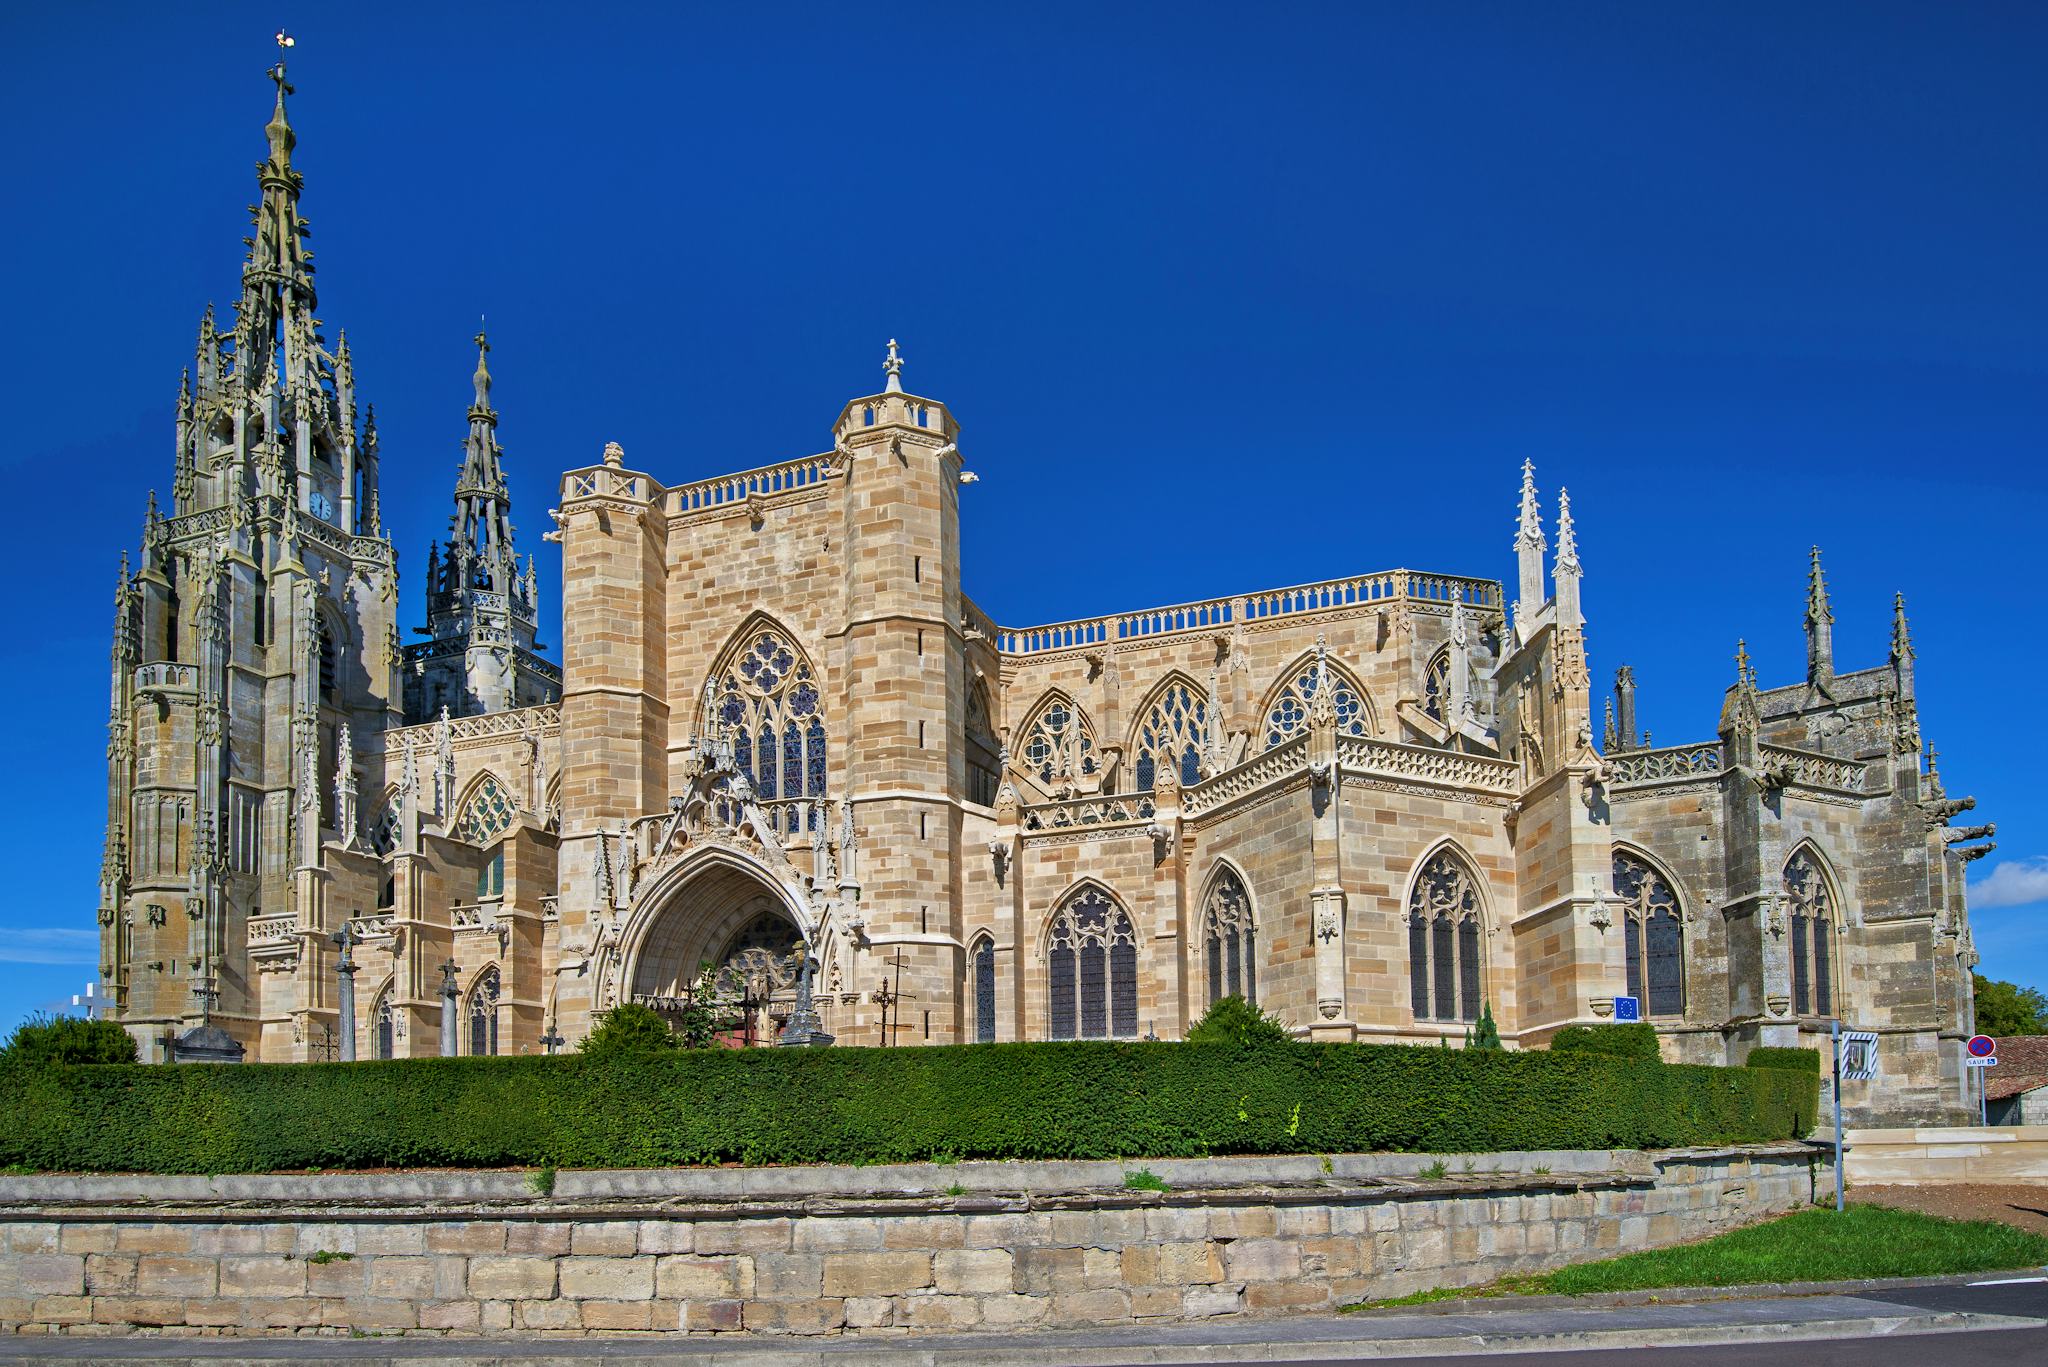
1225	297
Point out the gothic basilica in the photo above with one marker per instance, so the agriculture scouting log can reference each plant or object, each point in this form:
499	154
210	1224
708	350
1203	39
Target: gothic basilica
785	759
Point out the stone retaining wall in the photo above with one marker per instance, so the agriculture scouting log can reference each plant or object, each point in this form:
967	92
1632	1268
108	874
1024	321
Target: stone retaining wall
826	1250
1936	1154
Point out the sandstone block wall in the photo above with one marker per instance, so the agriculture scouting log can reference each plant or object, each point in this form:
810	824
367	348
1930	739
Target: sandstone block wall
836	1250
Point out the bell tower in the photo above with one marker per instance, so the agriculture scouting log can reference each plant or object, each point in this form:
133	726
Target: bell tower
254	647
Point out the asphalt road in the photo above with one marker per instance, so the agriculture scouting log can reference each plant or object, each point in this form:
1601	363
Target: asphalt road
1978	1348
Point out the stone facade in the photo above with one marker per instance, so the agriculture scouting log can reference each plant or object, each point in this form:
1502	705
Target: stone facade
826	1251
788	746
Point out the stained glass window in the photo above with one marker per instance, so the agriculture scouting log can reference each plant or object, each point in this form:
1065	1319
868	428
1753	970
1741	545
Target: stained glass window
1444	957
983	756
381	1021
1288	714
768	700
985	991
487	814
1093	954
1654	936
483	1014
1227	926
1436	684
1175	728
1812	927
1059	744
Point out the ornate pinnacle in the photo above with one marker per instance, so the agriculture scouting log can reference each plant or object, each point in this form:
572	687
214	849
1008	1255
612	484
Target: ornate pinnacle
1743	674
1902	640
893	368
1817	594
1530	530
1567	540
483	371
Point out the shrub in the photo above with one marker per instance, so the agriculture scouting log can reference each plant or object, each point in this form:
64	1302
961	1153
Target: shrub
1623	1039
1797	1060
1485	1034
45	1039
1085	1099
1233	1020
629	1030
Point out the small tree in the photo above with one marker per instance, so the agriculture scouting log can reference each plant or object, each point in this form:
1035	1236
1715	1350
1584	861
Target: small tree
43	1039
1233	1020
629	1029
2005	1009
1485	1034
700	1019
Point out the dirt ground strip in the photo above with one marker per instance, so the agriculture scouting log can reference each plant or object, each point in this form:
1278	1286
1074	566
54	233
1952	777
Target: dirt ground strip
2024	1206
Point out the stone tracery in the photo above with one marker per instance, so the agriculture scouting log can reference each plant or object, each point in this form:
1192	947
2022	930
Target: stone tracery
1812	932
1230	939
1092	959
1443	940
487	814
1059	745
1175	732
1654	935
767	699
1288	713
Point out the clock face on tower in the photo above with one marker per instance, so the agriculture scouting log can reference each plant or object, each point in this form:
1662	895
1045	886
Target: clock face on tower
320	505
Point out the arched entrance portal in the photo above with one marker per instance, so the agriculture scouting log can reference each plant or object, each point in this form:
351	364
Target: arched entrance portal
730	920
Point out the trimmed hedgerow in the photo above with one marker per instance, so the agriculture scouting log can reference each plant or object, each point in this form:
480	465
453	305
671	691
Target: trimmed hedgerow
842	1105
1797	1060
1621	1039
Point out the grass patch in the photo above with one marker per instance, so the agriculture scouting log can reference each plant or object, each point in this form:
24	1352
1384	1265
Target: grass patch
1817	1245
1145	1180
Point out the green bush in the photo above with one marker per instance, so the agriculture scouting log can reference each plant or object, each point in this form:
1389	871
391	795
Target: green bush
67	1039
1233	1020
1623	1039
629	1030
1093	1099
1485	1034
1797	1060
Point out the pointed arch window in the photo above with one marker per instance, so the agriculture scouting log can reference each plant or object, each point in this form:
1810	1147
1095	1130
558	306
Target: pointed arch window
984	991
487	814
330	663
1229	941
383	1026
1813	934
1175	729
1436	684
483	1014
1654	935
1444	980
983	756
769	700
384	830
1093	969
1059	744
1288	715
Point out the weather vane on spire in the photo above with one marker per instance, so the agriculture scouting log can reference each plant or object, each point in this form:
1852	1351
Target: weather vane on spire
284	41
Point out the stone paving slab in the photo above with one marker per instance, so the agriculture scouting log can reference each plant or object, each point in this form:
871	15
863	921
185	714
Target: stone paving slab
1467	1332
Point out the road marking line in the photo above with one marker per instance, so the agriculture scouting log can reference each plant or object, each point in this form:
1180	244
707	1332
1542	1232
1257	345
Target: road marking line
2011	1281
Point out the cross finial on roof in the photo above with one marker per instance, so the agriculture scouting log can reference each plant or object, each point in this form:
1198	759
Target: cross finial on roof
893	368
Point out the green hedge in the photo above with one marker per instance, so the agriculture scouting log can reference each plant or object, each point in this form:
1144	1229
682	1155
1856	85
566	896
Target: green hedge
848	1105
1622	1039
1796	1060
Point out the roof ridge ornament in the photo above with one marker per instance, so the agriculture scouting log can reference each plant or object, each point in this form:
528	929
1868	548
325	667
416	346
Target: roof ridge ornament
892	366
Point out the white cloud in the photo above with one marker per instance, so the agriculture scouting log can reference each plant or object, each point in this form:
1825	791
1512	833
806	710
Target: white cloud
2011	883
49	945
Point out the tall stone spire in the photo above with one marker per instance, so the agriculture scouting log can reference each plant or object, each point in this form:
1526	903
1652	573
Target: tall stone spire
1905	709
1566	571
1529	551
481	610
1820	629
480	552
